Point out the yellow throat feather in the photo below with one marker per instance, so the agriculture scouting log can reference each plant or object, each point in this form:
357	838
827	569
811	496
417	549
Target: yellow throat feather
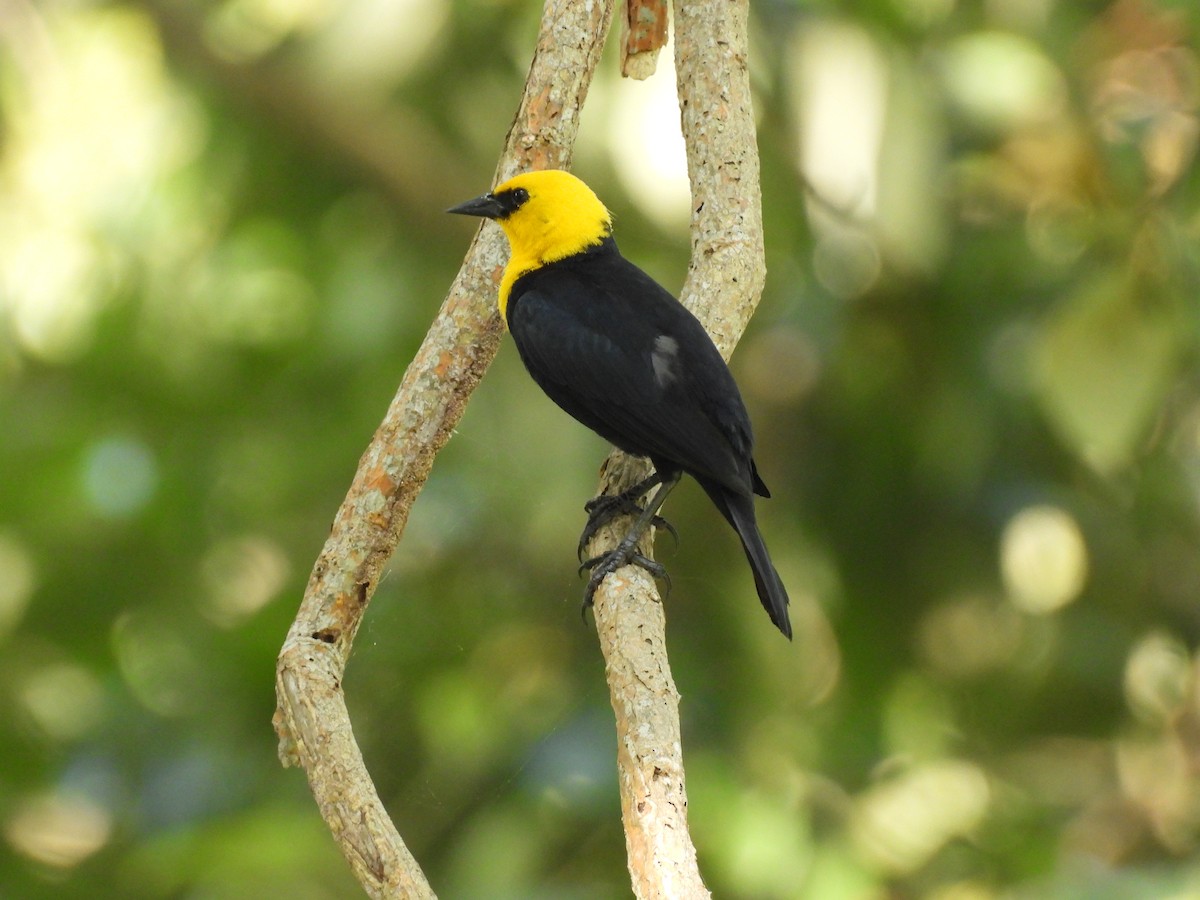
562	217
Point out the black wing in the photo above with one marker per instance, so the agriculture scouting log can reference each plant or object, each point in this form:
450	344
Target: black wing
615	350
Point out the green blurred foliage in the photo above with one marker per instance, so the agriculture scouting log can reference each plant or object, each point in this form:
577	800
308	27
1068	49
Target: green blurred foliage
973	376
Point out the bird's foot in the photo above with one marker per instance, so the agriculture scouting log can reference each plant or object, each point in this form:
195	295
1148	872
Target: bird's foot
604	565
602	510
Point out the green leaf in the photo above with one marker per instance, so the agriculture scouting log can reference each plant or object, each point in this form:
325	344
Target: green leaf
1103	364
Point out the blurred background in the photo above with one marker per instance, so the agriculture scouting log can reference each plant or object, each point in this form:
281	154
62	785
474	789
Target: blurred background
973	377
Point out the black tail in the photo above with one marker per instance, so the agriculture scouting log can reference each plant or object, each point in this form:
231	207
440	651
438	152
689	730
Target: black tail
738	510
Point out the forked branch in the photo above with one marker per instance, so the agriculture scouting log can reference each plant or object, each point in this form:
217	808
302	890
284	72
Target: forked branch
722	289
311	720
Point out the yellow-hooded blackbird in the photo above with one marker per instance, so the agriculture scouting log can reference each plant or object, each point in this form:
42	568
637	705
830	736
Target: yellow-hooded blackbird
614	349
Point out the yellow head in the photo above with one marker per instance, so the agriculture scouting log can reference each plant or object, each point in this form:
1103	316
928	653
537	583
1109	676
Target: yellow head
546	216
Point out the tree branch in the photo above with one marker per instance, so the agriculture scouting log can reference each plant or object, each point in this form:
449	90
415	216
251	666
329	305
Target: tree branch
728	266
643	34
724	282
312	721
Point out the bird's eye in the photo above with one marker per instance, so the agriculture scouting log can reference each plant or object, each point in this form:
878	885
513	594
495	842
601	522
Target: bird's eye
510	201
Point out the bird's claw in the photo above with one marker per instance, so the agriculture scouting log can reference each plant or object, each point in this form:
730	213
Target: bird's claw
614	559
602	510
604	565
660	522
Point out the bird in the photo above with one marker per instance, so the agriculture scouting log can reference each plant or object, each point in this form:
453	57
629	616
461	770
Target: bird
620	354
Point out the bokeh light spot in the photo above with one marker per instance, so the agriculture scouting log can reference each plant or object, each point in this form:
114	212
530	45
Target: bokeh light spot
841	82
841	85
1158	677
1043	559
18	581
64	700
903	822
1002	80
645	141
119	476
1156	773
86	145
243	575
970	635
373	44
58	829
51	286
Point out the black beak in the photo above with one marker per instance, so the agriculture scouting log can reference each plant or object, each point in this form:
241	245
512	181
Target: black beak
487	207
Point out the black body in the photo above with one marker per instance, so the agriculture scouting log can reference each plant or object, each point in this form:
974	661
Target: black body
619	353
